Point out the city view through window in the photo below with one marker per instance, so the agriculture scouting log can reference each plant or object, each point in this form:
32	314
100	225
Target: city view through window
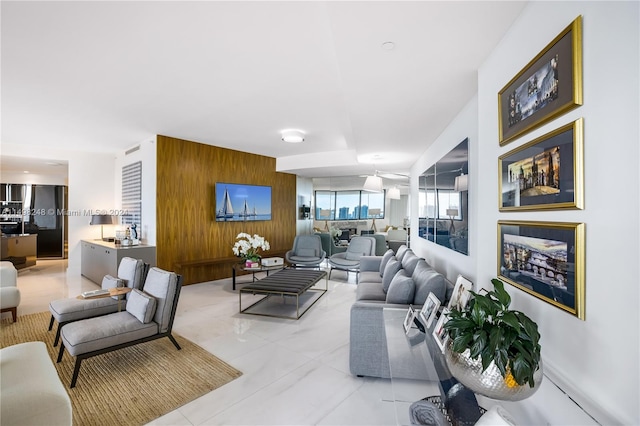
349	205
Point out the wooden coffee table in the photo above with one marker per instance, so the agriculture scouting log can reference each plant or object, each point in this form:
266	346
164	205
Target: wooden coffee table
287	283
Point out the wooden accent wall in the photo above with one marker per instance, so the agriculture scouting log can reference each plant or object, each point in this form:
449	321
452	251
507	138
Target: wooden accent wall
185	216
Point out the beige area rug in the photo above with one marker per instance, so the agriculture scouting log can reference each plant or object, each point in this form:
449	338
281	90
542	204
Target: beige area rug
131	386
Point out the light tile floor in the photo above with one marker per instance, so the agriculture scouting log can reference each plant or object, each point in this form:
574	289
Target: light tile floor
294	372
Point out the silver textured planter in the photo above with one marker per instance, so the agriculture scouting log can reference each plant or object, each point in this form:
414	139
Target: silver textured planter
489	383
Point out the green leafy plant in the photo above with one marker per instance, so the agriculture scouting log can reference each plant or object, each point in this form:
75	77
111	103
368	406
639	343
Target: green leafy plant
490	330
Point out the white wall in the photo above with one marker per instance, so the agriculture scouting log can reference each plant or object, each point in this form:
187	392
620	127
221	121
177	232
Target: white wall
594	361
146	154
445	260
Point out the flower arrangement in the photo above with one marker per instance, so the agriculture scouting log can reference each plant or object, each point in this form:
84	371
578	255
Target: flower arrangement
335	232
248	247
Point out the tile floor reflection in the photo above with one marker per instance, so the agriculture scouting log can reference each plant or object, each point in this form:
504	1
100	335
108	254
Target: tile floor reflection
294	372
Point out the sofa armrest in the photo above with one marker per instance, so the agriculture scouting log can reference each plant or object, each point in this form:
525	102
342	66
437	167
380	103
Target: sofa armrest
370	263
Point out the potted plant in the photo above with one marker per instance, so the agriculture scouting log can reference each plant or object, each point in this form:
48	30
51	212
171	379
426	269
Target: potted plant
494	337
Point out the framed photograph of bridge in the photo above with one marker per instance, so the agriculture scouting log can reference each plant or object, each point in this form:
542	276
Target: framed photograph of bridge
548	86
546	260
546	173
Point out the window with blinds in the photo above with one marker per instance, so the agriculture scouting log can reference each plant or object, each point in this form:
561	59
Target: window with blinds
132	194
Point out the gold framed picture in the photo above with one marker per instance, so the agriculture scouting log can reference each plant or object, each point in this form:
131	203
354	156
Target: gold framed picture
546	260
548	86
546	173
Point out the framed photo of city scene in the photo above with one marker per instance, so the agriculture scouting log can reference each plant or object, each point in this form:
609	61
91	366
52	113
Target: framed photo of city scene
548	86
546	260
546	173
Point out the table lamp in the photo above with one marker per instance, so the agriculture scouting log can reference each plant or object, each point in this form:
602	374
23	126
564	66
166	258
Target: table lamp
102	219
452	213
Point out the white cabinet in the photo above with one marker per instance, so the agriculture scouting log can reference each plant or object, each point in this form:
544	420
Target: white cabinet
100	258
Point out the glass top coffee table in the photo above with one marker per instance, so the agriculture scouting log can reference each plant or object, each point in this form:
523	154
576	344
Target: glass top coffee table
418	370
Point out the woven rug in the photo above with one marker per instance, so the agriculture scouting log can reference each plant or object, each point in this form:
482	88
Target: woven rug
130	386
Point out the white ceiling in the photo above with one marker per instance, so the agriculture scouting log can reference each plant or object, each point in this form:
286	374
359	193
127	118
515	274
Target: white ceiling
103	76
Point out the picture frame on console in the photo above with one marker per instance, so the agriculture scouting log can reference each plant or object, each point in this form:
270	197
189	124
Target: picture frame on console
460	295
545	173
439	333
548	86
546	260
408	319
429	310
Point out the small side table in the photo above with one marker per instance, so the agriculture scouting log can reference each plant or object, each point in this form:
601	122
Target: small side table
239	267
114	291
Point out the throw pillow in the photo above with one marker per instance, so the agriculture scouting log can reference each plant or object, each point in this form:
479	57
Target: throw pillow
409	262
390	271
141	305
402	250
401	289
111	282
385	258
428	280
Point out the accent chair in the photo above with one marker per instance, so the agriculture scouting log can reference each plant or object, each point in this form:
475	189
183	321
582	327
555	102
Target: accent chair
349	260
307	252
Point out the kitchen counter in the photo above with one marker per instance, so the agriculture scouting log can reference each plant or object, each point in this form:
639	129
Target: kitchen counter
19	249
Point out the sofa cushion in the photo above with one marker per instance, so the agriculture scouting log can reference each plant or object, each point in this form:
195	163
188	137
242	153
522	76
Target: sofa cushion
393	266
427	280
370	291
141	305
409	262
401	290
385	258
402	250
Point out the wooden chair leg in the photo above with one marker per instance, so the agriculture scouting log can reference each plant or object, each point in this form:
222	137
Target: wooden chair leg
14	313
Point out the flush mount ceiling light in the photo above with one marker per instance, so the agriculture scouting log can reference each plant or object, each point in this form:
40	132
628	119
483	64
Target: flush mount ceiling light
292	136
388	45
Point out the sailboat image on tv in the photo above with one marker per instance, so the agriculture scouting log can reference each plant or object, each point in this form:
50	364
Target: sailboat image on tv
229	195
226	212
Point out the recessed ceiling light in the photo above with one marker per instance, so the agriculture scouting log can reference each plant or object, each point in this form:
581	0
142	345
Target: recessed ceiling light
388	45
292	135
25	171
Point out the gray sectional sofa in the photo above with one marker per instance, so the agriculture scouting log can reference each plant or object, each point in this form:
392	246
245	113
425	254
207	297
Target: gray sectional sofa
389	281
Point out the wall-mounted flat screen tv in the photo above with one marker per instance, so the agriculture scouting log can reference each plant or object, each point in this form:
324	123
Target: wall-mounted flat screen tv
239	202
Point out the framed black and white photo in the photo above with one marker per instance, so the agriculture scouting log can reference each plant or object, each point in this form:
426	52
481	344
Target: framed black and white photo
429	310
461	294
439	332
408	319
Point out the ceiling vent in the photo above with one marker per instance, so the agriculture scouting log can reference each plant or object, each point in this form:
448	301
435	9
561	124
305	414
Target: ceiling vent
132	150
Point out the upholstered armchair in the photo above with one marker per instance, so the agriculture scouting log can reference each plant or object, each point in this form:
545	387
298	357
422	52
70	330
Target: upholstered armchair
349	261
9	293
307	252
